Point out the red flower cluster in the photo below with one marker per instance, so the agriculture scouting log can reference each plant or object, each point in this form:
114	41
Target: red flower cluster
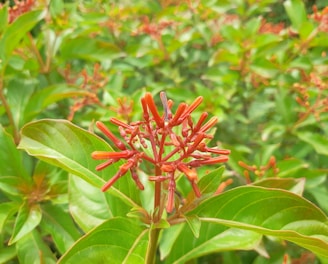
176	142
18	9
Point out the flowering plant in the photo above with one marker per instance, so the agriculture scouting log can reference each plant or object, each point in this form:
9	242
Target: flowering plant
145	183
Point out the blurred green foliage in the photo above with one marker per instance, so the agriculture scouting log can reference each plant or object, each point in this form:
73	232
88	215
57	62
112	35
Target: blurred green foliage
261	67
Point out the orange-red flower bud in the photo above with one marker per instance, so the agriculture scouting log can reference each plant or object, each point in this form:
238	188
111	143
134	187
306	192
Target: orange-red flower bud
209	124
119	144
153	109
192	107
190	173
117	122
99	155
181	108
170	197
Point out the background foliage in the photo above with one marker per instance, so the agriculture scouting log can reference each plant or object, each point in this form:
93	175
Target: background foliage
261	67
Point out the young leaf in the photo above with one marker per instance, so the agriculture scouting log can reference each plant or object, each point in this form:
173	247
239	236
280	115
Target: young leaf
32	249
27	219
118	240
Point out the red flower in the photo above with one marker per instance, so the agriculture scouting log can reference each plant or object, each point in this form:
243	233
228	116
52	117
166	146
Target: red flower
177	145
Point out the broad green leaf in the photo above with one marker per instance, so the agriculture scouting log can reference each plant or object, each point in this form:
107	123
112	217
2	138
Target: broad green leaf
211	239
296	12
238	218
69	147
118	240
11	159
317	141
90	207
31	249
17	30
290	184
27	219
282	214
60	225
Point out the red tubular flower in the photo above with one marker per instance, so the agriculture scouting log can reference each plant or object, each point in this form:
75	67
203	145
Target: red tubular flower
118	143
153	109
147	140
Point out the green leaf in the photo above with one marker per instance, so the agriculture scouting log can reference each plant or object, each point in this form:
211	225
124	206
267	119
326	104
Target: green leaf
317	141
62	229
194	224
89	49
69	147
3	18
296	12
238	218
90	207
11	159
282	214
17	30
290	184
6	210
49	95
210	182
118	240
31	249
27	219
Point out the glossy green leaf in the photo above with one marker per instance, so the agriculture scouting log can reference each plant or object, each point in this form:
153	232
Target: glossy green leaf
117	240
317	141
282	214
17	30
296	12
60	225
31	249
194	224
69	147
90	207
27	219
11	159
247	213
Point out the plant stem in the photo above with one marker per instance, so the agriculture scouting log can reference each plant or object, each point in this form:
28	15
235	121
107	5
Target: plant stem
154	232
152	245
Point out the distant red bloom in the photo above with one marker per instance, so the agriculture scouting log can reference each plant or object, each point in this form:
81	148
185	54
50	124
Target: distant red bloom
18	9
177	145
